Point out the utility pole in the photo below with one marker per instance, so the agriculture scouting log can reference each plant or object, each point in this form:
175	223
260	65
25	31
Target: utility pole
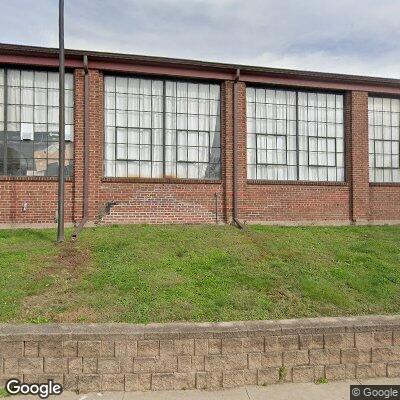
61	138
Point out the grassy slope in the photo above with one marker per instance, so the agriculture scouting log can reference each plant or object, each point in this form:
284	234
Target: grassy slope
170	273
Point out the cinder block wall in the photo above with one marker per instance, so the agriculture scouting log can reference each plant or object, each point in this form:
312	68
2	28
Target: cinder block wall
202	356
168	201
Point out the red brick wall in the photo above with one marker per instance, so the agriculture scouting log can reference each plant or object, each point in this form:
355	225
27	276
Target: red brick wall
162	203
194	202
40	194
227	148
41	199
384	203
244	198
291	202
143	201
296	203
78	143
95	139
356	115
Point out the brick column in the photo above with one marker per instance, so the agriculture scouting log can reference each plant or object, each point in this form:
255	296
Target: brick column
227	108
96	135
356	114
79	126
227	148
241	150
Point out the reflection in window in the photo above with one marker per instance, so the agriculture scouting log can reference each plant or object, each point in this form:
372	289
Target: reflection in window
29	123
156	129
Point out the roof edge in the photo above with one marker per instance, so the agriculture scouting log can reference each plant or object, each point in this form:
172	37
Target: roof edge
16	49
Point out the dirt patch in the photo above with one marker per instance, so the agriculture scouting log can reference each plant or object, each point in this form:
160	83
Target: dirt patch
61	303
65	269
73	256
70	260
283	295
80	314
47	307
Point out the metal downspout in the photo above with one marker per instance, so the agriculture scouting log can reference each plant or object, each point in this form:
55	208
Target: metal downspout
85	152
61	125
235	129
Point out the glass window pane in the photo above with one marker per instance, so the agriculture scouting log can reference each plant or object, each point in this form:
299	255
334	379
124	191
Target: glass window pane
40	79
188	107
271	115
53	80
32	123
384	133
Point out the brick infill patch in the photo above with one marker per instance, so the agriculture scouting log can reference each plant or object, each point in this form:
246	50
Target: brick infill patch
104	357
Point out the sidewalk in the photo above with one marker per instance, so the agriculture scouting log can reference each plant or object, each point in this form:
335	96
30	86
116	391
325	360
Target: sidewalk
300	391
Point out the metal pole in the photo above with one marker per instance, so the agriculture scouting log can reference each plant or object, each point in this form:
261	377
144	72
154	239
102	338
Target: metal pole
61	110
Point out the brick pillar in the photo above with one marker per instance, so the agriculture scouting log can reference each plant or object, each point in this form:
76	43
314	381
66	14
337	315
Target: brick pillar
240	145
79	127
241	151
227	148
96	134
357	140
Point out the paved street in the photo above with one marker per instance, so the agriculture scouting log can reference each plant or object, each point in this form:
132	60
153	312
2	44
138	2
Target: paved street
287	391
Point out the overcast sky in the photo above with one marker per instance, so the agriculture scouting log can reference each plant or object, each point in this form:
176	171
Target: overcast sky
347	36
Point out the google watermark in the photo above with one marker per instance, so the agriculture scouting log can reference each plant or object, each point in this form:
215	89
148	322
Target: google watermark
376	392
43	390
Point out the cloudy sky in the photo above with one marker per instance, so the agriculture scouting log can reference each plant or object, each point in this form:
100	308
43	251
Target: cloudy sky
347	36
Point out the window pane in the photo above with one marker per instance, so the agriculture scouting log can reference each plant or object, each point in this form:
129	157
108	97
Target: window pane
279	147
140	132
32	123
384	142
268	133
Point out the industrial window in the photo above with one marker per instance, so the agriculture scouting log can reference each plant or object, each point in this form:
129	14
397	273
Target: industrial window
161	128
384	141
294	135
29	123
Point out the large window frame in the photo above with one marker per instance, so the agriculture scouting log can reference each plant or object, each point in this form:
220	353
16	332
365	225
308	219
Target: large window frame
29	125
171	140
313	124
384	139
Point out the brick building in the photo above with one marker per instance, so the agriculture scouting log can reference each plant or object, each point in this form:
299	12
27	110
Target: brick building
178	141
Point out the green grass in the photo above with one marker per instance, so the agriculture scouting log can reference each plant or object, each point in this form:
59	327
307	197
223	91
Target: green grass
3	392
198	273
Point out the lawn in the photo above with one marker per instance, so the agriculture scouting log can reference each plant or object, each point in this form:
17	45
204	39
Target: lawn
198	273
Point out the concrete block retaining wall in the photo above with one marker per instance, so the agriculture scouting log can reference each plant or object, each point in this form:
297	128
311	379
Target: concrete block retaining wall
103	357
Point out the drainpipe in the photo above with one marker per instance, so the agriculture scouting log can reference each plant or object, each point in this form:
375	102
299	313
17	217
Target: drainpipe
235	220
85	152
